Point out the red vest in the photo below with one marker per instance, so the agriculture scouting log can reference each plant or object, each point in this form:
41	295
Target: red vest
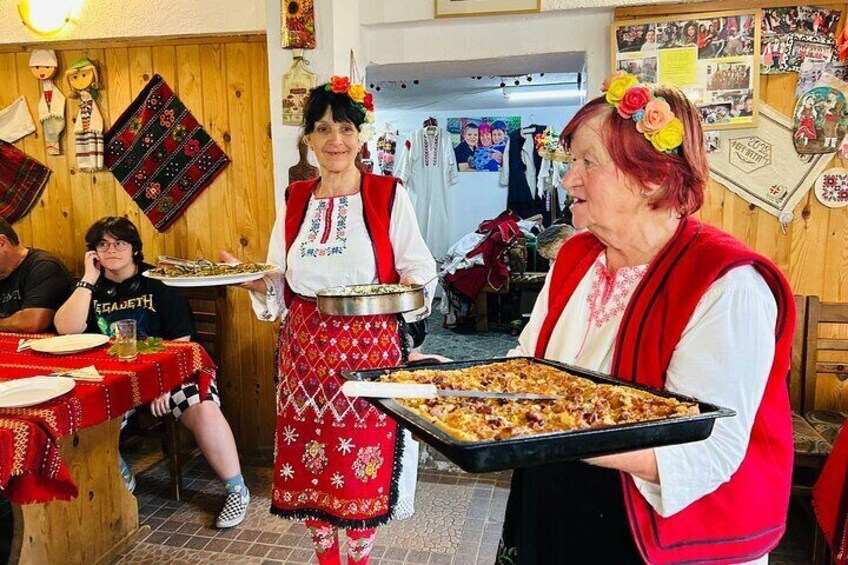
745	517
378	197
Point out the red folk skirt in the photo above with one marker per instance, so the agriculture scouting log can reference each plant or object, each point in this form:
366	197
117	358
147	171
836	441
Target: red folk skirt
336	459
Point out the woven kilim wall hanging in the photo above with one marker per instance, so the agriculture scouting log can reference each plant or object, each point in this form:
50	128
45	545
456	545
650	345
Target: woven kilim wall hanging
22	180
161	155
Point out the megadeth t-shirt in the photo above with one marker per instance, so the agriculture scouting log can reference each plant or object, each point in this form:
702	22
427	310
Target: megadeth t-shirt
40	281
159	310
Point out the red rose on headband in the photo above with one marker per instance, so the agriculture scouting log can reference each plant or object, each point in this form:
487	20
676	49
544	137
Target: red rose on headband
339	85
368	102
635	98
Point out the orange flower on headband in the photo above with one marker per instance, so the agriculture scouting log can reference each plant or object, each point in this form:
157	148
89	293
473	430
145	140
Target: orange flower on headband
339	85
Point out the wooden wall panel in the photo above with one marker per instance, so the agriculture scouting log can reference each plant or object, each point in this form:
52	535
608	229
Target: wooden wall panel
813	251
224	81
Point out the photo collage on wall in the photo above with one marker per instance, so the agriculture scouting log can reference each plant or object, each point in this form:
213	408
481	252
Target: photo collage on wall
794	34
712	59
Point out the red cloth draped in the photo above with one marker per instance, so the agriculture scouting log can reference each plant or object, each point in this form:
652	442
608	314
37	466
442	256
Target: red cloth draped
830	498
30	467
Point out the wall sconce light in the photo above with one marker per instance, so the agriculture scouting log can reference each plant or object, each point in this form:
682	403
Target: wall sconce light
47	17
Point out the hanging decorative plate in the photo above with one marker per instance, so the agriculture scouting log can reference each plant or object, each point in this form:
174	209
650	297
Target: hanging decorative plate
819	120
297	83
832	188
298	25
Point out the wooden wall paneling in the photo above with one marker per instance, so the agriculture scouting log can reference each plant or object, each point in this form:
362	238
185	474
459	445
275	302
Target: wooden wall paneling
9	68
119	85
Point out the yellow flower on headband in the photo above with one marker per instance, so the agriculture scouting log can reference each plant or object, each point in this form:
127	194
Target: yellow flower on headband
357	92
618	86
669	137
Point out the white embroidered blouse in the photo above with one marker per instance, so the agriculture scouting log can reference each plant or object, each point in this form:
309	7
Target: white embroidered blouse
724	357
333	248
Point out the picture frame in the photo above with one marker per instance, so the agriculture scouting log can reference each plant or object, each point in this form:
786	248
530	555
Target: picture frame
461	8
713	57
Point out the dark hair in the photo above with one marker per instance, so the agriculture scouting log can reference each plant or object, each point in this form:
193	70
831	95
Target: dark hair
10	233
342	107
119	228
499	124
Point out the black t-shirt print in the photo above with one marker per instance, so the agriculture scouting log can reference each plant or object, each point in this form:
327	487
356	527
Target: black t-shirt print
159	310
40	281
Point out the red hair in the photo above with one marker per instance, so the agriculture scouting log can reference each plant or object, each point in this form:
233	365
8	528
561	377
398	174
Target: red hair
682	175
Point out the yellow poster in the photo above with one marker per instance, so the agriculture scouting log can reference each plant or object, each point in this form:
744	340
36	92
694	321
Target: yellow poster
678	66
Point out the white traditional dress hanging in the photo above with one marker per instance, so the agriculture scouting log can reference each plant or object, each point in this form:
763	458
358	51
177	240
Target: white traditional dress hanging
297	83
761	166
51	105
819	121
832	188
84	83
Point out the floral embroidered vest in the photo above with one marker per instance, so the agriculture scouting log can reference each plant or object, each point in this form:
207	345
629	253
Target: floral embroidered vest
378	197
745	517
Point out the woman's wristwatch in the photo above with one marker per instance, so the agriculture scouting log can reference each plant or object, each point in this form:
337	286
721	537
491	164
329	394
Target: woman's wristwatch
85	284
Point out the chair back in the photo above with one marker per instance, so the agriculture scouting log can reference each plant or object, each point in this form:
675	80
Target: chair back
825	353
209	312
796	368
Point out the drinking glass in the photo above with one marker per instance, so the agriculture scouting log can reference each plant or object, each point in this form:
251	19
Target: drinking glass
125	339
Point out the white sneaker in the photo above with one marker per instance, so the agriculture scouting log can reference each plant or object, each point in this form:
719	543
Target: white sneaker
234	510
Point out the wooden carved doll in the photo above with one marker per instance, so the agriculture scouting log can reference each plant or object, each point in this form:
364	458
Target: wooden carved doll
88	127
51	106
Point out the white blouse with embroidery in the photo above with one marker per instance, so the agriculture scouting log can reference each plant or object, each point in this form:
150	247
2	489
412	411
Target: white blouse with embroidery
724	357
333	248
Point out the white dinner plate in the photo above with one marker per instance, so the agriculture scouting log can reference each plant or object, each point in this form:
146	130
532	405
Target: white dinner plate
30	391
72	343
218	280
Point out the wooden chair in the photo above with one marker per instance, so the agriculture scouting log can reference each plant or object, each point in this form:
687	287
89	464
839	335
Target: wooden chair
209	311
816	429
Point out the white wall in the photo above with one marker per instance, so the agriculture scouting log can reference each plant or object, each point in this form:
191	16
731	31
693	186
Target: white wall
477	196
99	19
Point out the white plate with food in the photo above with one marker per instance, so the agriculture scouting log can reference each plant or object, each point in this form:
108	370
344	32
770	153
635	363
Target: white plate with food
19	393
209	274
370	299
66	344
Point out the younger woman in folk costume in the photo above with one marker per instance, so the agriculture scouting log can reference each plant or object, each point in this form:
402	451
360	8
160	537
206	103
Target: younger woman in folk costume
88	128
338	459
806	129
51	106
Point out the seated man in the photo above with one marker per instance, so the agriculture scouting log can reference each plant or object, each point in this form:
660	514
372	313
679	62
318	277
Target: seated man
33	284
113	289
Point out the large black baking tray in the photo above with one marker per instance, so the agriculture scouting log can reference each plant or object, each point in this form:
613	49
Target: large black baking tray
527	451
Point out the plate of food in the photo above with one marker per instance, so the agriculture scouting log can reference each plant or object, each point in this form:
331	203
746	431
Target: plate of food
185	273
370	299
67	344
575	413
20	393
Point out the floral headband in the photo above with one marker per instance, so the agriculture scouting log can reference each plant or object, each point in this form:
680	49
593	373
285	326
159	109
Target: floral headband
653	116
360	98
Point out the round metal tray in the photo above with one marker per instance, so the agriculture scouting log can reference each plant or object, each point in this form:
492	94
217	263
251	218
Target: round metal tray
371	304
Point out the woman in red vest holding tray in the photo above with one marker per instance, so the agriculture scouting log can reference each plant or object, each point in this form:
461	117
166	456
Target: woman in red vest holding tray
653	296
338	461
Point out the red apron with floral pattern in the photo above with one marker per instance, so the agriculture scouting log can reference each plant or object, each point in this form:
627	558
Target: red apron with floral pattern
336	458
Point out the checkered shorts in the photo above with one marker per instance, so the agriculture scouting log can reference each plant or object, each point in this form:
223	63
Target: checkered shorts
187	395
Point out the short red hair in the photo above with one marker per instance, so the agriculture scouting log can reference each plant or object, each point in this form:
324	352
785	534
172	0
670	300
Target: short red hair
682	175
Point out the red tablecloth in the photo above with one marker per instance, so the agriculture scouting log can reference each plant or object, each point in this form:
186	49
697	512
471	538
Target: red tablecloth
30	467
830	498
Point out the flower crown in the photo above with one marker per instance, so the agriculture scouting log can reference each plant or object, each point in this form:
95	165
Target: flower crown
653	116
360	98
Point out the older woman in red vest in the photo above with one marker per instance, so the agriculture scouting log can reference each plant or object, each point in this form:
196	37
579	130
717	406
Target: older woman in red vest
338	460
653	296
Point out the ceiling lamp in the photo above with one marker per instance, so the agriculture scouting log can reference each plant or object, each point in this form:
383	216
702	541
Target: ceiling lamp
47	17
527	93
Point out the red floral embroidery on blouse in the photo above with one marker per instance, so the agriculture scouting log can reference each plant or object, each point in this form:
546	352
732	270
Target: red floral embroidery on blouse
611	291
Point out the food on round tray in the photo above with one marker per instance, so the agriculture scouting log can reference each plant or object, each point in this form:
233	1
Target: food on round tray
208	269
366	289
585	404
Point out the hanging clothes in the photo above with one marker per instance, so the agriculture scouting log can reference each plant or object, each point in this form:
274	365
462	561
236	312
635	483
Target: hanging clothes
521	166
88	132
549	188
427	167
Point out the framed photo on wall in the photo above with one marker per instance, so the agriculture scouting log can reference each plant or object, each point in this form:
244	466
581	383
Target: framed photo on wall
714	58
454	8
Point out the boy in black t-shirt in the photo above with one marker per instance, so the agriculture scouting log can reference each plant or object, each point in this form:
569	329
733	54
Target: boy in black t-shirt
113	289
33	285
